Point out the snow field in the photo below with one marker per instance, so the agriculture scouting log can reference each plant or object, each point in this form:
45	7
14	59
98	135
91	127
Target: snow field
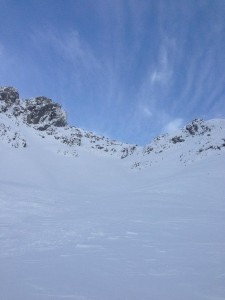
92	229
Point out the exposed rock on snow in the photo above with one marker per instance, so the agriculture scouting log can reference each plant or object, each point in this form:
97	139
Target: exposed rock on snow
197	126
12	137
177	139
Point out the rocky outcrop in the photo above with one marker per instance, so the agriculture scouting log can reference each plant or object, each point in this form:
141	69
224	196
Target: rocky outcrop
177	139
8	97
196	127
43	112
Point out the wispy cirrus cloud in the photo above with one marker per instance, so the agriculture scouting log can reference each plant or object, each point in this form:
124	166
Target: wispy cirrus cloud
204	81
189	79
154	90
145	111
68	47
163	70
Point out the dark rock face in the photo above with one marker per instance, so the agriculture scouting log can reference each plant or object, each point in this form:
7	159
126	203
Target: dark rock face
40	111
18	110
44	112
8	96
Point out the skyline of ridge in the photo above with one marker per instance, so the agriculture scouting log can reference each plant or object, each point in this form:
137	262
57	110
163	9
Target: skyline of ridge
44	109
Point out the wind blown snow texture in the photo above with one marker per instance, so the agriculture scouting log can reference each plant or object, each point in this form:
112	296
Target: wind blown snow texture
79	223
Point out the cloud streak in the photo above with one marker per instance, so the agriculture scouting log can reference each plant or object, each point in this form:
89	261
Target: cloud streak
173	125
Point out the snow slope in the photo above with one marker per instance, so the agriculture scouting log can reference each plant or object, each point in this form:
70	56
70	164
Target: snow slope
79	223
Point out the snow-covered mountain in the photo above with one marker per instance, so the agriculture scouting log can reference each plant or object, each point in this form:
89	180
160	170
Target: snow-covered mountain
83	217
42	117
45	119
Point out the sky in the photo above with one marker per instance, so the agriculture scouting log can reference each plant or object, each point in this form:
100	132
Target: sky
126	69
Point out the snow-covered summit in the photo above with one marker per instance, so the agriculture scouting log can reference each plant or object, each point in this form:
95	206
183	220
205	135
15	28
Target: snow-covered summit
48	119
194	141
41	112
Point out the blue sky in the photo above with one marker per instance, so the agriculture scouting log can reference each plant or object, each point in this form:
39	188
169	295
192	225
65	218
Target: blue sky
129	70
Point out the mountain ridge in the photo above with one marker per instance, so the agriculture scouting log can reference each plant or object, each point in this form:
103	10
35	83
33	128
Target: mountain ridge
46	119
